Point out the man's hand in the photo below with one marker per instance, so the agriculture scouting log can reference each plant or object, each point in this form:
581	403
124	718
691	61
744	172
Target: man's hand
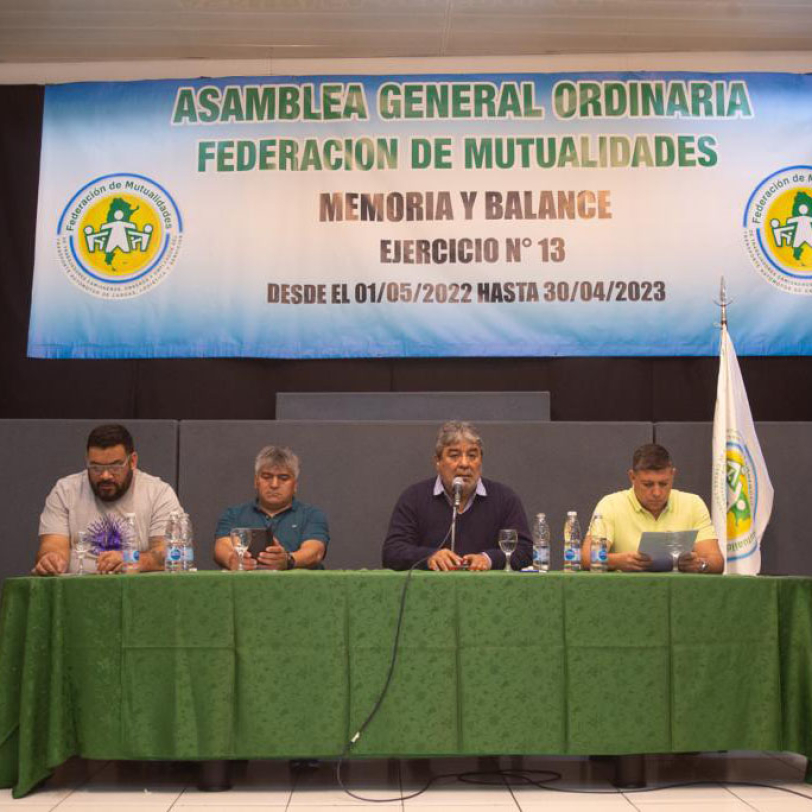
691	562
51	564
445	561
248	561
630	562
705	558
109	561
478	562
274	557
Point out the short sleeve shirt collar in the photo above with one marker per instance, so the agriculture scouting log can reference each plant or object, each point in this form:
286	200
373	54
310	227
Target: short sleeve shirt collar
292	506
638	508
480	491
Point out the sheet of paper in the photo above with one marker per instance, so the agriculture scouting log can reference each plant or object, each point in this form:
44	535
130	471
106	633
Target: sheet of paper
658	546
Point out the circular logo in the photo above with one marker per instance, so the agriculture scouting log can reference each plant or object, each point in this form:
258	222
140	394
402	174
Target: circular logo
740	486
119	236
778	229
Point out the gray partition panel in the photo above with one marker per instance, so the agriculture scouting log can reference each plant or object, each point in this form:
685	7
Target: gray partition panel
787	449
435	406
38	452
355	471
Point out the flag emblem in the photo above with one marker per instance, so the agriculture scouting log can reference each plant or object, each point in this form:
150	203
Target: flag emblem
741	492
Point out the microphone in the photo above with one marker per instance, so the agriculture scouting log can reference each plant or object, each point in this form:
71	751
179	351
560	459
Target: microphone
456	485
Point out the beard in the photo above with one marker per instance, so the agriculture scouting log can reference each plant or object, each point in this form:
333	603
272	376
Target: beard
110	490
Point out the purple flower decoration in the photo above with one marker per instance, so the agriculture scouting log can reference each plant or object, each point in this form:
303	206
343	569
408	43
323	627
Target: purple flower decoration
106	533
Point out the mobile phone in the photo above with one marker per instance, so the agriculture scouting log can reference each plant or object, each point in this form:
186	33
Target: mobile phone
260	539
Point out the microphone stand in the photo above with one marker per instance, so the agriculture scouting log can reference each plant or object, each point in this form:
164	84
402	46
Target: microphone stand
454	512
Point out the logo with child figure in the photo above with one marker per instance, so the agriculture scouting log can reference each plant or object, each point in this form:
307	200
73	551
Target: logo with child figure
737	490
119	236
741	497
778	229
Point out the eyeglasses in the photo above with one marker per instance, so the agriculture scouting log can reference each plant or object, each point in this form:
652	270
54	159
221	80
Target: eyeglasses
112	467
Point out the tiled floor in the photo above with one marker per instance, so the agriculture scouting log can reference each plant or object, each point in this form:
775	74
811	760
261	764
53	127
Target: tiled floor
694	783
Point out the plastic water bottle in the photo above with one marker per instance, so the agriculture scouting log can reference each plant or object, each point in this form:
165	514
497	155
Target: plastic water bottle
541	544
599	551
130	553
572	543
173	560
187	538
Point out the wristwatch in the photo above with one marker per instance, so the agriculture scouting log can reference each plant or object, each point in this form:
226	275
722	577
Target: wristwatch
703	566
290	563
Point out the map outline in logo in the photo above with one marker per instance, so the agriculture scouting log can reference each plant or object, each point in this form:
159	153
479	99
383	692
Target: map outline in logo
119	235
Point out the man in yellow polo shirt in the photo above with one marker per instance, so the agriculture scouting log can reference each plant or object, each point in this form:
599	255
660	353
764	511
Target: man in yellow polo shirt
652	504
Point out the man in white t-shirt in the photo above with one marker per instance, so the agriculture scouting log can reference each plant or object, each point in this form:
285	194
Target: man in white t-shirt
97	500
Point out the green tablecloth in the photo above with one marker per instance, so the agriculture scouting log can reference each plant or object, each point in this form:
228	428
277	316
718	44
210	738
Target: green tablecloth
261	665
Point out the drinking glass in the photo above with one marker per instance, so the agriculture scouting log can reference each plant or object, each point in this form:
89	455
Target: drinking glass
240	540
676	551
81	545
508	539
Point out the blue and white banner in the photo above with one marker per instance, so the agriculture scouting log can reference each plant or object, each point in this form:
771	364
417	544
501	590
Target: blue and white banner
424	215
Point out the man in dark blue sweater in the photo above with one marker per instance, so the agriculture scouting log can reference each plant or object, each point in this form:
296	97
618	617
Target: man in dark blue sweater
420	527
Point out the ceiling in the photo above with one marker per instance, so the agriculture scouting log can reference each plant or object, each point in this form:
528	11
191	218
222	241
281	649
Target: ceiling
34	31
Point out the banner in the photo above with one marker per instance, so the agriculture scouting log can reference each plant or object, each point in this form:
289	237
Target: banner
742	498
423	215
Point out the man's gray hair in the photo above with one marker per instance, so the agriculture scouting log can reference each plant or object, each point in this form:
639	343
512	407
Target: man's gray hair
273	456
455	431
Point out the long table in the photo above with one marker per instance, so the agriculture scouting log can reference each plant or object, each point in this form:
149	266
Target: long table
216	665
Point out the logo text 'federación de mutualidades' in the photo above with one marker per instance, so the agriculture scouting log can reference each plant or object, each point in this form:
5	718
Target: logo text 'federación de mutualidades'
119	236
778	229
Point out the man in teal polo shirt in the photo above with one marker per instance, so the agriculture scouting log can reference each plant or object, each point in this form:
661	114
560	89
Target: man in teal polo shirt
298	533
653	504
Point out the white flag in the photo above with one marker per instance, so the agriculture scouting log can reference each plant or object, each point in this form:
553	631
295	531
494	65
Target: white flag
742	491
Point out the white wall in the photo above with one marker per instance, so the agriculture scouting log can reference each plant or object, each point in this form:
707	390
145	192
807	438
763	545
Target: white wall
56	73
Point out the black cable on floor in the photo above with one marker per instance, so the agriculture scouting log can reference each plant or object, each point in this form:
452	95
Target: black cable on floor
371	715
524	777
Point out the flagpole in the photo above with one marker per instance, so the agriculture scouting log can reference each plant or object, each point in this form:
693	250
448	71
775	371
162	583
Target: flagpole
742	494
719	492
723	302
